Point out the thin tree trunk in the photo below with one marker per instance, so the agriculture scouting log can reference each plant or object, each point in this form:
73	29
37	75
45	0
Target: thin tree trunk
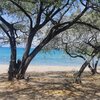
91	68
86	63
78	79
95	66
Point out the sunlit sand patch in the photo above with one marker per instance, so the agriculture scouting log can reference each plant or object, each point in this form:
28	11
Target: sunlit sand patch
57	92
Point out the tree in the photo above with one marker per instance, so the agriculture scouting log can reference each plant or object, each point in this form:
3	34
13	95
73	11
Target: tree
78	44
76	40
35	16
12	40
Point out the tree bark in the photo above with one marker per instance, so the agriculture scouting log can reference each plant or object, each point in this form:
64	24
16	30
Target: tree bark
91	68
12	65
77	79
95	66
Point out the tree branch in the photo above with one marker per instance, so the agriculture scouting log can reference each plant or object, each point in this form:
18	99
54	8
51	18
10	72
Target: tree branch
75	55
87	24
23	12
5	31
39	14
63	26
50	15
5	22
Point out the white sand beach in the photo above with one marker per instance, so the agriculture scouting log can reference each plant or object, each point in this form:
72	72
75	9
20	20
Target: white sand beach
32	68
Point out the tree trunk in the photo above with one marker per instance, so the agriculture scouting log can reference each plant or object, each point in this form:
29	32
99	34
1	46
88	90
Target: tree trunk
78	79
27	61
86	63
12	66
95	66
26	53
91	68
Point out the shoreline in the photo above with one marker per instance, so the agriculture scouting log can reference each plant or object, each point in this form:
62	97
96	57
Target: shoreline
35	68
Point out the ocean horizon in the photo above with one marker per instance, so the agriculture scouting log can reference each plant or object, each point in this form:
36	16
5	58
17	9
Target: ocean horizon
52	57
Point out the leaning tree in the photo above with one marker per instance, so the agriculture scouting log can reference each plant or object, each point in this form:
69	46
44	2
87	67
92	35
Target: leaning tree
34	15
77	40
77	46
82	41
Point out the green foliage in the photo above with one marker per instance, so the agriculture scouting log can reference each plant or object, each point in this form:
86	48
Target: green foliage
52	2
20	26
7	6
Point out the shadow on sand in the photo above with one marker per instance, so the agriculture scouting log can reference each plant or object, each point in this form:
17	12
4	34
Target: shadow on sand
50	86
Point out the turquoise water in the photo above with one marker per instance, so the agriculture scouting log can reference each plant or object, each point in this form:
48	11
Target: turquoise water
52	57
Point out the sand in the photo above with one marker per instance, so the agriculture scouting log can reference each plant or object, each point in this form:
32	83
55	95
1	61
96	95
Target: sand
50	83
32	68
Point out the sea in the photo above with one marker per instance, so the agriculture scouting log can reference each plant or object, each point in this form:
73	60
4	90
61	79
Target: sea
52	57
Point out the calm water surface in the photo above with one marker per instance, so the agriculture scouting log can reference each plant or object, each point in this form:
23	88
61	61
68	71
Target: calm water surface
52	57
